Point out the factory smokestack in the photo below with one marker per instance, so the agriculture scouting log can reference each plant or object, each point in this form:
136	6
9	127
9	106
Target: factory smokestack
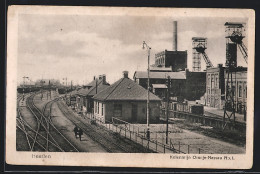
175	36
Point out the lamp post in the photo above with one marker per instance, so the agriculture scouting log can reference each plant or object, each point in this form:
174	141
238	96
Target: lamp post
148	87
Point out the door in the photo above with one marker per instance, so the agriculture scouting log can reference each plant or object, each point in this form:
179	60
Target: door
134	112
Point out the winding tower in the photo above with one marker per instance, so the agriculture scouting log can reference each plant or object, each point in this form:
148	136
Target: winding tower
199	45
234	38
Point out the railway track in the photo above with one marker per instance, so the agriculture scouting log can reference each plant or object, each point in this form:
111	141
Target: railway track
109	145
42	135
210	116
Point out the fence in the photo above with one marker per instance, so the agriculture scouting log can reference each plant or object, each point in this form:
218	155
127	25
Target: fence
134	133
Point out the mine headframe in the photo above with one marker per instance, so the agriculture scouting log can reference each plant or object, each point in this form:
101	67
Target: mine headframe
199	45
235	34
234	38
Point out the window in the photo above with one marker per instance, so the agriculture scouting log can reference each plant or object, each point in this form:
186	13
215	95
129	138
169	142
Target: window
234	90
212	82
102	109
98	107
245	92
143	110
208	79
95	107
117	110
240	91
216	82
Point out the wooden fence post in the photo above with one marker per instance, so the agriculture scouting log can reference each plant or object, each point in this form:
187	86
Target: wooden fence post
179	147
156	145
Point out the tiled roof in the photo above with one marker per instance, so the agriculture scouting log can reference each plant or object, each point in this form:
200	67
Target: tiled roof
92	83
73	92
82	91
160	75
125	89
92	91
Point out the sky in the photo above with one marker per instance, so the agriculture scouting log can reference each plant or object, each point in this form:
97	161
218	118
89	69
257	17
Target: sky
79	47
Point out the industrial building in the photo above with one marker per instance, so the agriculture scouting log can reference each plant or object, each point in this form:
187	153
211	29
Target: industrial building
126	100
216	88
184	84
176	60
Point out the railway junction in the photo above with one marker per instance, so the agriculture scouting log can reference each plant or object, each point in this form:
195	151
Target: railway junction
47	123
184	111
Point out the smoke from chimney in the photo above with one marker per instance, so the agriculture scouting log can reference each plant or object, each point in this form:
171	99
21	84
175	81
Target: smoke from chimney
175	38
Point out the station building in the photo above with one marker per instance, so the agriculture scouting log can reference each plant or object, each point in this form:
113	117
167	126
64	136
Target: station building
85	101
126	100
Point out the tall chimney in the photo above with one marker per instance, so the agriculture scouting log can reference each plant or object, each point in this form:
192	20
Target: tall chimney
175	38
125	73
104	79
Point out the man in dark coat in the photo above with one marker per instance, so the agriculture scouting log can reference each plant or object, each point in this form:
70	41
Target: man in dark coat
75	131
80	133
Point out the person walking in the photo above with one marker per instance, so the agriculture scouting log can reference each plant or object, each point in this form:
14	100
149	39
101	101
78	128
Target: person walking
75	131
80	133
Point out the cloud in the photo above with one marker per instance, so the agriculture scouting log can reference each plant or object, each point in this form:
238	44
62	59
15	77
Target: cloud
79	47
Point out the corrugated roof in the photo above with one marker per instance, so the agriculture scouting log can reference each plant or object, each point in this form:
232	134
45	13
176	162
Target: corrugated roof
125	89
160	75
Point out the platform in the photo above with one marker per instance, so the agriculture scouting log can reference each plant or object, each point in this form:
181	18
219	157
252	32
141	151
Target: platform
220	112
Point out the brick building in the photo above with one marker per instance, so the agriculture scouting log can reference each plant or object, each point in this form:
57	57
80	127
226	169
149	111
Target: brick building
177	60
216	84
184	84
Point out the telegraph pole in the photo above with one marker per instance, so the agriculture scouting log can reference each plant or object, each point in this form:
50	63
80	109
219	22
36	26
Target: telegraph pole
167	106
148	89
24	84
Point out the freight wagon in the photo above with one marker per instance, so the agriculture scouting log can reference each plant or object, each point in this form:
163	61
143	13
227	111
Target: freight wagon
186	107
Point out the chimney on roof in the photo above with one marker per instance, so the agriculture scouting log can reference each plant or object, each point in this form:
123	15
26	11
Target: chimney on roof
104	79
220	65
175	38
125	74
94	78
100	77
